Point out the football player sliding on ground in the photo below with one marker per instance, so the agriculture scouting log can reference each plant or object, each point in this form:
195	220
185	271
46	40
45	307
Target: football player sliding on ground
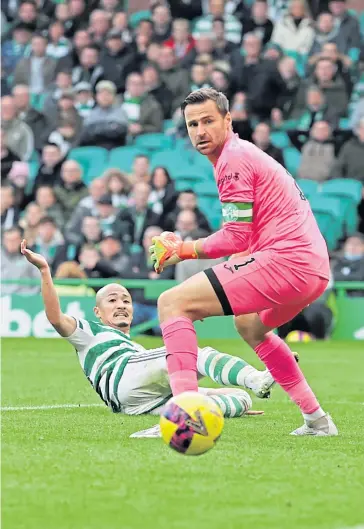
129	378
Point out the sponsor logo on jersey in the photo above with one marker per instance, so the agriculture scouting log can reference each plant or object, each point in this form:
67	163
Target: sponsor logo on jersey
228	178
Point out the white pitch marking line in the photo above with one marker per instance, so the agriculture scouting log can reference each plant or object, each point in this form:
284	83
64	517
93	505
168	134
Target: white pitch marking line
50	407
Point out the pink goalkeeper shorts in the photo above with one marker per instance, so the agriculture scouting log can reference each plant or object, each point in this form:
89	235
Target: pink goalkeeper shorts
263	283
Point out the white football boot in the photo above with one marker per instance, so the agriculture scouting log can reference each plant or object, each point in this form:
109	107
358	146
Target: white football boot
154	431
323	427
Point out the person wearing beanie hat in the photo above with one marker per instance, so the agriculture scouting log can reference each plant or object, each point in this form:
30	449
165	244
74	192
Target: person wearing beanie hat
84	100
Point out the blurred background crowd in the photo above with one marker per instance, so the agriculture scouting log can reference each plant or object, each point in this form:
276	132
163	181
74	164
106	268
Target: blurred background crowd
95	158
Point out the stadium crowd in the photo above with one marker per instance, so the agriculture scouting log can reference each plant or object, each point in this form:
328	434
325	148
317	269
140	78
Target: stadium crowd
87	77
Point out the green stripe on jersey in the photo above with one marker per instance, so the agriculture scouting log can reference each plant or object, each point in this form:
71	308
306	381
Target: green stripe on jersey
114	356
97	328
98	350
237	211
80	324
119	374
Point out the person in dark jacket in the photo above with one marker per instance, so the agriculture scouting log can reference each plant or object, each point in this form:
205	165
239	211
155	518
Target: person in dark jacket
259	22
349	163
350	267
261	138
40	125
93	265
80	41
137	218
158	89
117	59
187	200
49	172
163	197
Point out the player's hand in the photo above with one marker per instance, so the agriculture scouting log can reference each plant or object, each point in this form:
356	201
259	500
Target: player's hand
164	250
35	258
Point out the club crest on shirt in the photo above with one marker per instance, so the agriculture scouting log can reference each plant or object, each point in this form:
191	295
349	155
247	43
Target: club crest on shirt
230	213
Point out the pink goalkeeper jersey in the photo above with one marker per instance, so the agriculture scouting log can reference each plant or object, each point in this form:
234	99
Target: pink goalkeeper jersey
264	209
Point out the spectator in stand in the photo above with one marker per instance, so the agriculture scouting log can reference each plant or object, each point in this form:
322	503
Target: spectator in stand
70	189
48	239
259	23
108	217
143	112
99	26
261	138
141	169
221	47
16	48
62	15
349	163
181	40
158	89
152	52
163	197
78	14
350	267
18	177
66	136
38	70
349	30
331	84
54	91
205	45
143	268
9	211
66	112
240	117
294	32
120	21
118	59
342	62
80	41
29	222
14	266
220	78
49	172
162	22
84	100
325	32
27	14
290	85
58	45
111	250
199	77
89	69
93	265
118	185
176	79
318	153
39	124
106	125
217	9
138	217
85	208
46	200
187	200
71	270
19	136
258	78
7	156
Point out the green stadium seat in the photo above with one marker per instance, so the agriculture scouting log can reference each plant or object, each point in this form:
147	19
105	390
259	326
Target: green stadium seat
309	187
135	18
344	124
292	158
182	185
154	142
207	189
172	160
361	21
33	169
123	157
35	157
93	161
328	213
168	124
280	139
349	192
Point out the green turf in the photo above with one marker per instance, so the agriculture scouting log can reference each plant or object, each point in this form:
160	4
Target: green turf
77	468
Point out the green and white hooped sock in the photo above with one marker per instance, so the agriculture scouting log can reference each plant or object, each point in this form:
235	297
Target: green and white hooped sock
233	404
223	368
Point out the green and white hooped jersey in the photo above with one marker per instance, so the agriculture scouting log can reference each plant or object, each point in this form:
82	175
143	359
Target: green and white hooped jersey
103	353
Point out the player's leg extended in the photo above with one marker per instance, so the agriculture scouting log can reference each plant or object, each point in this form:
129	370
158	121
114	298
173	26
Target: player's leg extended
233	371
178	308
233	402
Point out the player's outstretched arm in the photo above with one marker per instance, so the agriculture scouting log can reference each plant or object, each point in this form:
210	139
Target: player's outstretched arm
64	325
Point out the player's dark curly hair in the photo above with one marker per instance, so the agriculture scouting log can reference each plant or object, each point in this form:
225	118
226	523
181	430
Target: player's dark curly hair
204	94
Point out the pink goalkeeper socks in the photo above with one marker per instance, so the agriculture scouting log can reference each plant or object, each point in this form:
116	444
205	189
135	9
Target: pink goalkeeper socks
278	358
180	339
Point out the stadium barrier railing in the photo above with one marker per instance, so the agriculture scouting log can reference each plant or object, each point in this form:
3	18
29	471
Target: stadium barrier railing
22	315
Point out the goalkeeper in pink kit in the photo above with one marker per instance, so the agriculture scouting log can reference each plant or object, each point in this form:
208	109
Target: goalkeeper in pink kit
283	264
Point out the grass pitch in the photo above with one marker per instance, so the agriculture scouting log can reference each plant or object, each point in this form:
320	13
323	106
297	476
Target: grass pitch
77	468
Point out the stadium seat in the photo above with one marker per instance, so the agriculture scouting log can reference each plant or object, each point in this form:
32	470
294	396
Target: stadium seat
123	157
182	185
154	142
189	174
349	192
172	160
309	187
207	189
93	161
33	169
292	158
280	139
136	17
328	213
344	124
168	124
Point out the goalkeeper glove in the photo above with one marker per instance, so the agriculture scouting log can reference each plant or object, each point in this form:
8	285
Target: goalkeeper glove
168	249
